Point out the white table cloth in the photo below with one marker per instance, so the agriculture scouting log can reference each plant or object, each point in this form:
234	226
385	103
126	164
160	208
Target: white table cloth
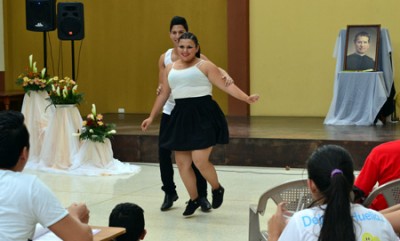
59	144
97	158
62	151
357	99
37	112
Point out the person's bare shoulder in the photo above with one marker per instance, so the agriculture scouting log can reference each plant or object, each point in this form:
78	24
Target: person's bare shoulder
202	56
161	61
206	65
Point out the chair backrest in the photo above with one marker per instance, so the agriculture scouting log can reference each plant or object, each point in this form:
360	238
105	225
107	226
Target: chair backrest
295	193
389	190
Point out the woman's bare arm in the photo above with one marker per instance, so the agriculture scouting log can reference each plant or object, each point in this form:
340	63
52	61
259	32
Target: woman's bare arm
213	74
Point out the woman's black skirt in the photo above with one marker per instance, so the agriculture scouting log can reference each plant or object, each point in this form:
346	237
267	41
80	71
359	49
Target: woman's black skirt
195	123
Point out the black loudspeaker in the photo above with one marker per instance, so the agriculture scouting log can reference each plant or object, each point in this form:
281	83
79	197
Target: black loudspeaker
40	15
70	21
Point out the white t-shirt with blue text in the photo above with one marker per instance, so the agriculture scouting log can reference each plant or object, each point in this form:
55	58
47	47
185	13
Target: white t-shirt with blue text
305	225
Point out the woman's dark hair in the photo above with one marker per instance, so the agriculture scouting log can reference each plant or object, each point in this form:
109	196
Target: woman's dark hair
177	20
130	216
191	36
14	136
330	167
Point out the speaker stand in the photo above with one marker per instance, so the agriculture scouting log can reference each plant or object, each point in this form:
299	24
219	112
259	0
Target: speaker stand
45	50
73	59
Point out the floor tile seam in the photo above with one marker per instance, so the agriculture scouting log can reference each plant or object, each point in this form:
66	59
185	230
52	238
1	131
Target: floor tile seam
140	189
99	202
245	169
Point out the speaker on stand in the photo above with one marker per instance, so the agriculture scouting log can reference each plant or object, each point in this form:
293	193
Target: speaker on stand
70	23
41	17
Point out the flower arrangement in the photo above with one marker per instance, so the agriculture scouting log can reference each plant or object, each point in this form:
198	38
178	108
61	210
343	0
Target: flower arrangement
64	91
32	80
95	129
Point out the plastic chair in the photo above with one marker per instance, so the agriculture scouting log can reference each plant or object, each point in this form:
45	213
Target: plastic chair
295	193
389	190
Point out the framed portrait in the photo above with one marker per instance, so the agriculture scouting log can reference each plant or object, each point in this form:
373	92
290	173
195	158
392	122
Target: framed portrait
362	46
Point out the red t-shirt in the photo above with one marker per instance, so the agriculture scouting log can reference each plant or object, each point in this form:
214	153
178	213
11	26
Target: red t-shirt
381	166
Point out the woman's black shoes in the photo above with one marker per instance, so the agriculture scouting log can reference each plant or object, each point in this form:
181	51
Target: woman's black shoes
218	197
191	207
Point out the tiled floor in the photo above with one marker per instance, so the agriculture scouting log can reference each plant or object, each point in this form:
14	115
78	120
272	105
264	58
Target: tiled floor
243	187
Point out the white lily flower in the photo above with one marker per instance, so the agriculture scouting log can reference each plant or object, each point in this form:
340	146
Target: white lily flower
43	73
30	61
74	89
53	88
58	91
65	93
112	132
91	131
94	109
34	69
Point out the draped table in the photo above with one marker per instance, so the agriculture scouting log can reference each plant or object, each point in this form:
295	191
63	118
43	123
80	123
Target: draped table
96	158
63	152
59	144
37	112
357	99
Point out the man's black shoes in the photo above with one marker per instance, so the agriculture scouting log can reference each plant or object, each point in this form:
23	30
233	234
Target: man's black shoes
169	200
204	204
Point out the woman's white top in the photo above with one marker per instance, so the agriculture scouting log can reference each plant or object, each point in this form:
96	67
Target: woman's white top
188	83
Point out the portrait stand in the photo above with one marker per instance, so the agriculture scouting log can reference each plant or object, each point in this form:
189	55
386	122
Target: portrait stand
359	96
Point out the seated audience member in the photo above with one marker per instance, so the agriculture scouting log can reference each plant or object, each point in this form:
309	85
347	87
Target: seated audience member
333	216
25	200
381	166
129	216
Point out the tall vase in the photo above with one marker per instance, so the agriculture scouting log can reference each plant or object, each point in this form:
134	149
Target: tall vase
37	113
59	144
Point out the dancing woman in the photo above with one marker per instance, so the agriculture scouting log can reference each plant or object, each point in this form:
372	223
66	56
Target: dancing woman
196	123
178	26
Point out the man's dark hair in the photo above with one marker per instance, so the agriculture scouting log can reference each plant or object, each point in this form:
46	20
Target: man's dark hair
14	136
129	216
177	20
362	34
